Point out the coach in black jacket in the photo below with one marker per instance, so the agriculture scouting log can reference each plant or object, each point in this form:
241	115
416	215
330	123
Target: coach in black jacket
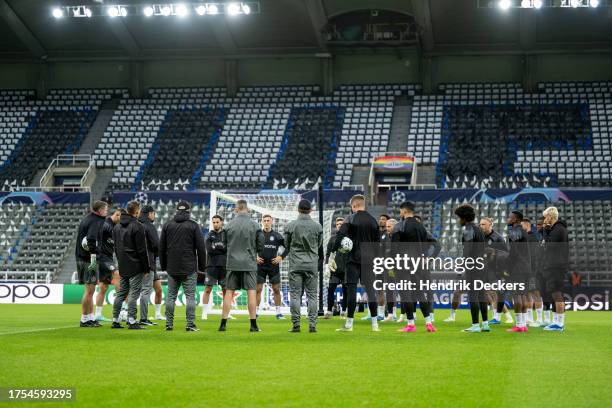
131	250
147	216
556	263
182	252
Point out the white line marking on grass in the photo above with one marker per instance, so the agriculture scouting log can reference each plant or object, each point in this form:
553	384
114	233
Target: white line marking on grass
38	330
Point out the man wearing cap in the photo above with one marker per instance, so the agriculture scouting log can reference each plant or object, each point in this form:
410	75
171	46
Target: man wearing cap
152	280
182	253
243	240
304	242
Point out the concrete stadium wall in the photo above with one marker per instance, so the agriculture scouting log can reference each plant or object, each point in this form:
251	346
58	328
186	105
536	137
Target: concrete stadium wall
364	67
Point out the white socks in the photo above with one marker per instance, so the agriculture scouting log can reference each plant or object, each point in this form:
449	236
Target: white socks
428	320
98	310
547	315
539	314
497	316
519	320
158	310
509	316
84	318
278	310
205	308
349	322
559	319
410	322
381	311
452	315
529	315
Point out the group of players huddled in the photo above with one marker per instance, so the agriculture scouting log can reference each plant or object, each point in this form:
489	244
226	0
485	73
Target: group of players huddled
246	255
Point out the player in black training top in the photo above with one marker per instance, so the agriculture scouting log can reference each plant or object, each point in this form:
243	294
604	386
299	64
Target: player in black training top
361	228
107	268
411	232
519	268
268	263
473	241
86	253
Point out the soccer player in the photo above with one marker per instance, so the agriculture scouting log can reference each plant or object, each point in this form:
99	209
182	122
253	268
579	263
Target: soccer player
215	265
107	270
519	267
546	304
129	237
473	241
304	240
382	224
412	232
360	227
152	280
534	298
556	263
268	263
86	253
336	262
244	240
386	241
496	242
182	253
433	251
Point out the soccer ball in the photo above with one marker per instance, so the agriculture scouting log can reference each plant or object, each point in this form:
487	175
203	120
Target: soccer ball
141	197
346	245
398	197
84	244
123	316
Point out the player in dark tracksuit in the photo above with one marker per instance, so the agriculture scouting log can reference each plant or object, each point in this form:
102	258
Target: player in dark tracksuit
534	297
215	262
519	268
473	241
107	268
268	263
495	268
411	232
361	228
86	258
336	262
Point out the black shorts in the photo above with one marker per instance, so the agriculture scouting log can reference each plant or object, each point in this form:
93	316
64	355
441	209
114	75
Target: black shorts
555	284
85	276
106	267
335	280
215	276
273	276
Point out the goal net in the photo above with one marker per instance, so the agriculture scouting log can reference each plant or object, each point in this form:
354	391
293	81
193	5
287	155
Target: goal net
282	206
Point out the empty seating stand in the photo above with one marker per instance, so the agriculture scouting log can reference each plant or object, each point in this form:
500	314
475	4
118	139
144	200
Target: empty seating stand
532	165
311	139
49	133
186	139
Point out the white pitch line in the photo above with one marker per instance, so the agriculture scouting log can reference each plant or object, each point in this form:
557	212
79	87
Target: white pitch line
37	330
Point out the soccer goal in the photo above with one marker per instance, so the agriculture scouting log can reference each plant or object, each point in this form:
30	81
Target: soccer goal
282	206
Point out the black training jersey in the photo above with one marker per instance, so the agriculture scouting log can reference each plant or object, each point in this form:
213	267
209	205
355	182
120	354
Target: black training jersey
106	246
88	228
520	258
473	240
360	227
272	242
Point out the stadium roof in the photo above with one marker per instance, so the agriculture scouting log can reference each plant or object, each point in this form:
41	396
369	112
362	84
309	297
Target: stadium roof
28	31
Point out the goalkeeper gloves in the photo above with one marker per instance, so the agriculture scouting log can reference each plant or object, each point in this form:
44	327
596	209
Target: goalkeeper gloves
93	264
331	262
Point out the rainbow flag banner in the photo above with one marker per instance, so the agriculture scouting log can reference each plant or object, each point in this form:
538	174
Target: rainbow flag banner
393	164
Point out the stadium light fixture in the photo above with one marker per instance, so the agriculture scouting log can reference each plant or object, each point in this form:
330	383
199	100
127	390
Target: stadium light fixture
505	4
593	3
57	12
148	11
233	9
212	9
246	9
87	11
113	11
200	10
526	3
181	10
575	3
537	4
166	11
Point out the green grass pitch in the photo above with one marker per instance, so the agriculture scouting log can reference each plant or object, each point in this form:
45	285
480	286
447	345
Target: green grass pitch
40	346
